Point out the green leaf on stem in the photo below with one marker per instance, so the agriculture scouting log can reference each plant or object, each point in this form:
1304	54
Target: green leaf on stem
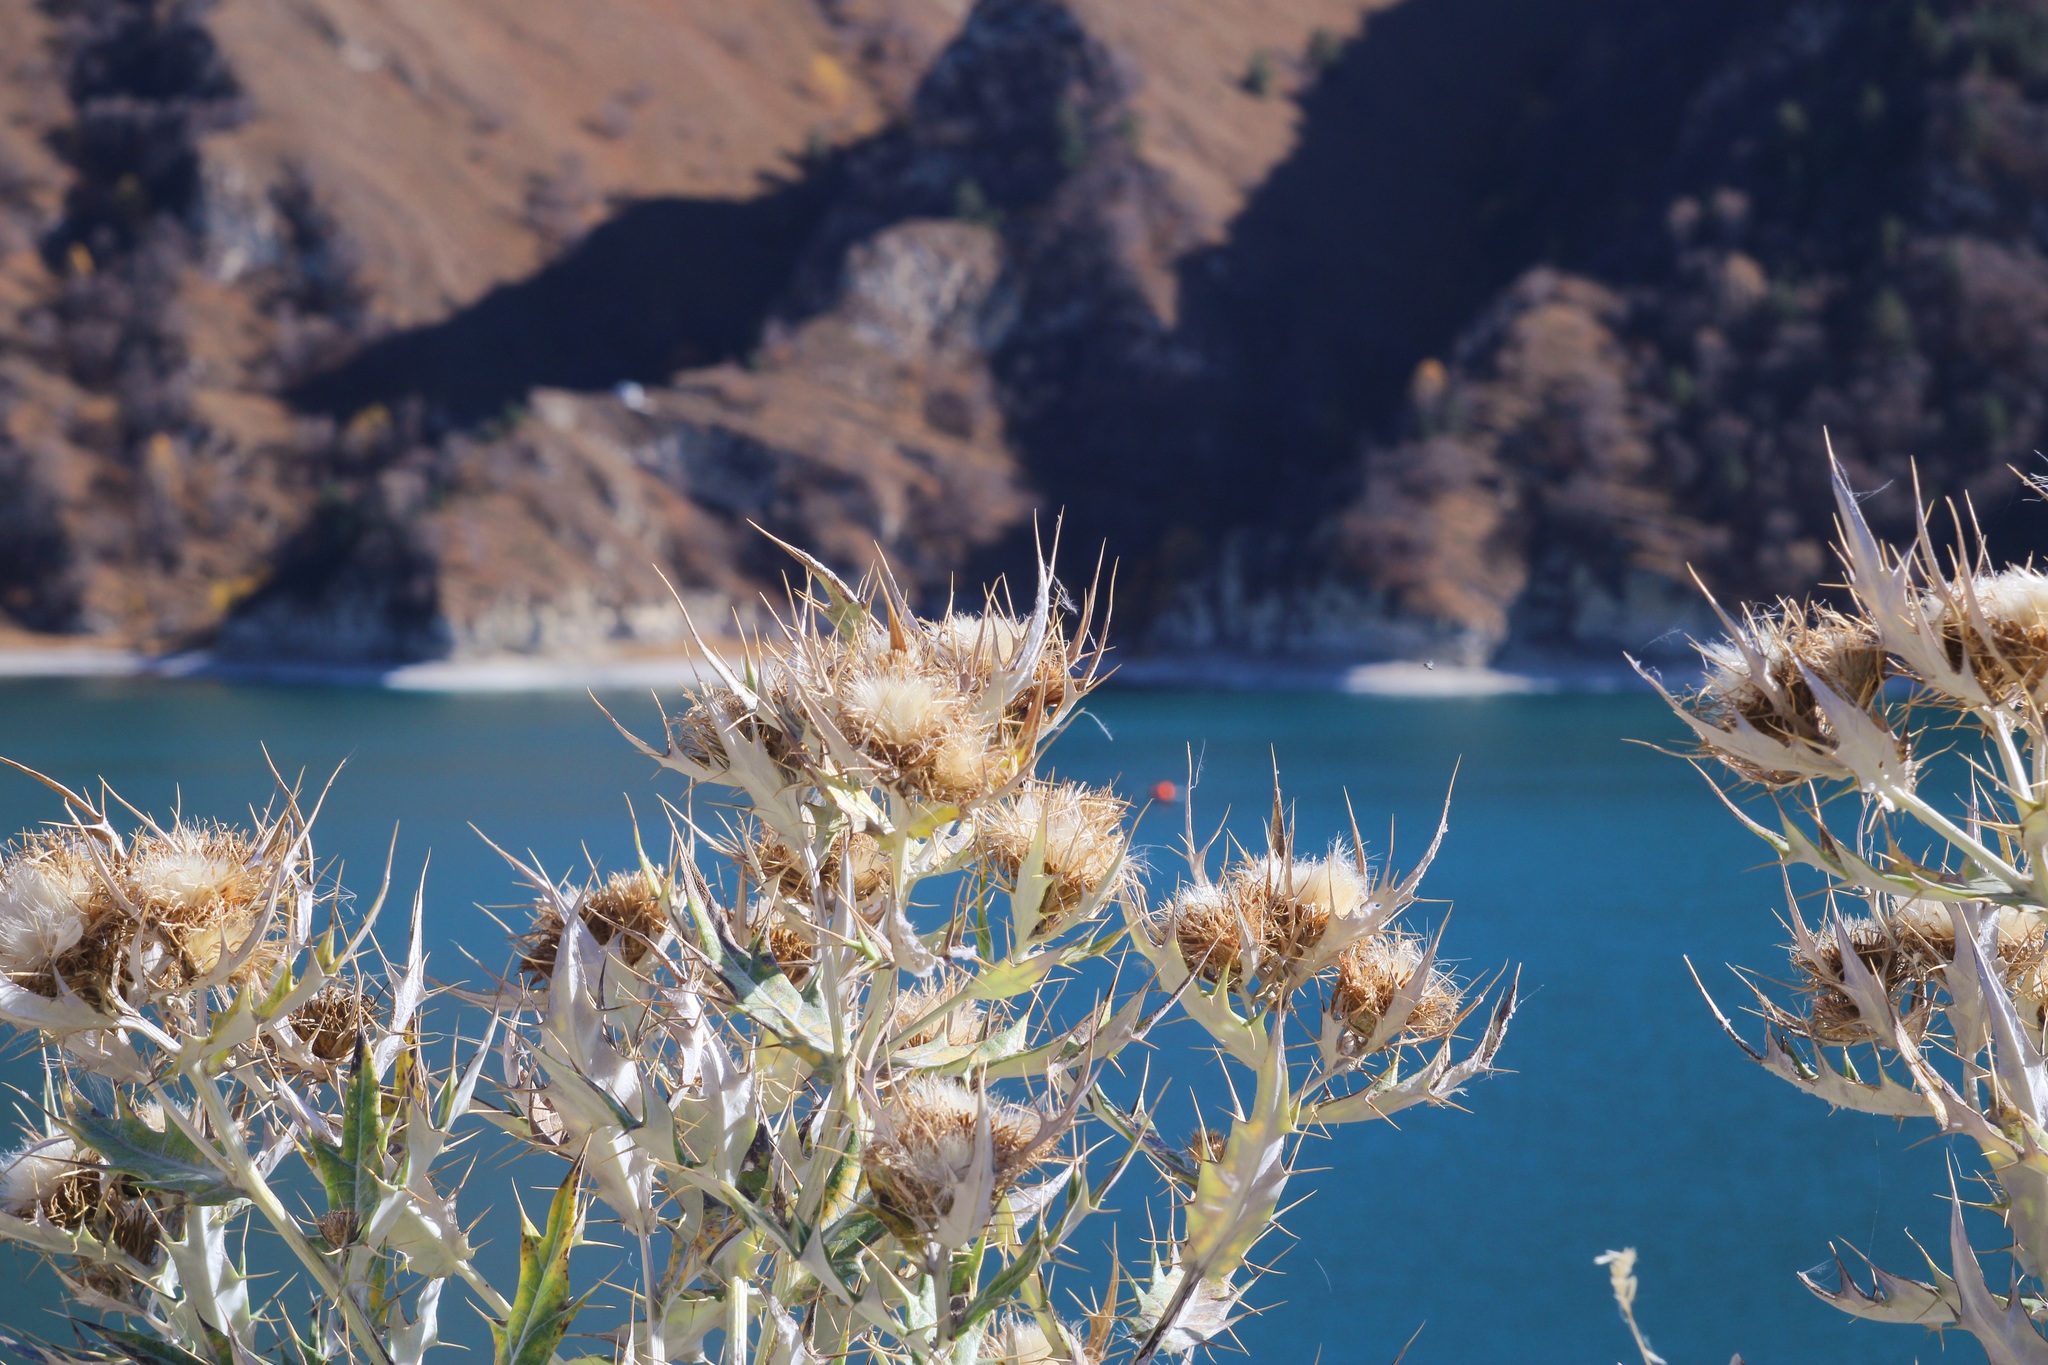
543	1309
351	1170
167	1161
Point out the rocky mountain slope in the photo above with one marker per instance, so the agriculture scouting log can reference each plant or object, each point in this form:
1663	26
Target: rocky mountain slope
346	330
1841	232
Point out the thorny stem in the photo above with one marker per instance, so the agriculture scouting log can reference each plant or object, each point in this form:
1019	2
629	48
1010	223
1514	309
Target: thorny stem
495	1301
2015	765
656	1355
234	1161
1971	847
737	1316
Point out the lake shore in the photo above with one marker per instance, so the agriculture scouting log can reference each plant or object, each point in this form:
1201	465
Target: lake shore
1205	672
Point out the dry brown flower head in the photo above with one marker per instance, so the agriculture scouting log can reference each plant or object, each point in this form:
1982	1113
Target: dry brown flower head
794	946
2004	640
1906	950
337	1227
924	1140
782	868
961	1026
1845	652
1213	931
331	1021
48	890
626	907
65	1184
1085	847
1369	975
200	888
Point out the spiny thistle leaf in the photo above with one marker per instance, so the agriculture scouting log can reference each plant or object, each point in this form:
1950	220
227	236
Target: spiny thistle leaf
163	1161
849	1237
350	1171
1007	1281
542	1309
1890	1298
1236	1196
142	1349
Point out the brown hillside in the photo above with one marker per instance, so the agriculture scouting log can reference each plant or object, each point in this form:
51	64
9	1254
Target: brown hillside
349	386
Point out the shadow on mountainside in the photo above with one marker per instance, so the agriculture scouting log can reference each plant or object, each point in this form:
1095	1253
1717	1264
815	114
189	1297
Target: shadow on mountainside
663	285
1451	147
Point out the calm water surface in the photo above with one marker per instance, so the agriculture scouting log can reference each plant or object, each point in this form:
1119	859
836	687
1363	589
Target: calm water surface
1627	1120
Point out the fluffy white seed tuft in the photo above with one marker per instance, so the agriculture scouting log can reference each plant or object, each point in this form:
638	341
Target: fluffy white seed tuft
32	1175
42	914
899	709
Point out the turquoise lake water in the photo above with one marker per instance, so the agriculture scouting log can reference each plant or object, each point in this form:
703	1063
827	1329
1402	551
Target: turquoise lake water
1626	1118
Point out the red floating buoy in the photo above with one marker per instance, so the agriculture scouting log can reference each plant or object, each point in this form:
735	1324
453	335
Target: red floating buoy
1165	792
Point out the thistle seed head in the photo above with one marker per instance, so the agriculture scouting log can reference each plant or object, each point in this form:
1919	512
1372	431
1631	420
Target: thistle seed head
1085	846
962	767
200	890
962	1026
65	1185
1370	973
1301	896
794	946
923	1147
2006	645
625	907
1773	694
47	891
1907	948
337	1227
1214	931
1277	905
895	711
913	698
331	1021
697	734
916	724
97	965
47	1175
781	867
977	645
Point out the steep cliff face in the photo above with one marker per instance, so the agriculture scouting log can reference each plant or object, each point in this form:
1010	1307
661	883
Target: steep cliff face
882	352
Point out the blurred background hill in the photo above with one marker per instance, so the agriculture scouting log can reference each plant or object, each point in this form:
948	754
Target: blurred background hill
363	331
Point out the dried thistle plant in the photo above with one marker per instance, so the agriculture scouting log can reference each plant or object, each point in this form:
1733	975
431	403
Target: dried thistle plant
1922	992
806	1061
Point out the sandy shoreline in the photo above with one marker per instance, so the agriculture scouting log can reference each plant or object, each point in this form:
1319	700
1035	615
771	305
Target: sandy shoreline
443	675
1202	672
